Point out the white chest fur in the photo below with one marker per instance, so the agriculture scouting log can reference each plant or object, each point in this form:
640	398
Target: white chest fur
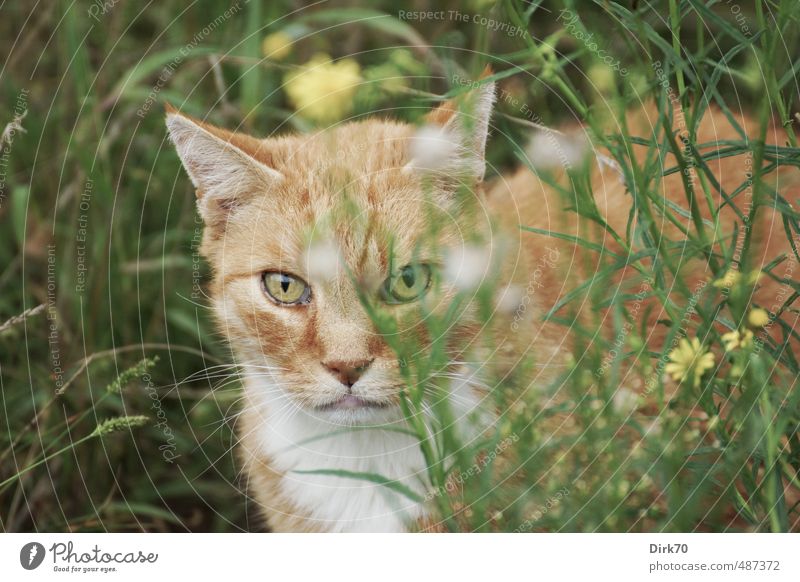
297	442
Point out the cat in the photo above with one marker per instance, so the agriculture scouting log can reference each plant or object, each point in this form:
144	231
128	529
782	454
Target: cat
304	231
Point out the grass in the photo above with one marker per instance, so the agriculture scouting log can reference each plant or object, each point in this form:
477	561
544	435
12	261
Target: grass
97	224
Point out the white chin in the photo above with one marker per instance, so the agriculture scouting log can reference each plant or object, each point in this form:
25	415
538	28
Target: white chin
359	415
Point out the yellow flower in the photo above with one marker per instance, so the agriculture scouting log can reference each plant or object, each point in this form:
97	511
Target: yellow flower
322	90
277	46
758	317
689	360
736	339
731	340
728	280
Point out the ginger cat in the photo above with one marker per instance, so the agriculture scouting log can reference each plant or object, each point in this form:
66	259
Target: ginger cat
303	231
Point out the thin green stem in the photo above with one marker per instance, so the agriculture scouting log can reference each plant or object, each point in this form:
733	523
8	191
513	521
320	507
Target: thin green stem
45	459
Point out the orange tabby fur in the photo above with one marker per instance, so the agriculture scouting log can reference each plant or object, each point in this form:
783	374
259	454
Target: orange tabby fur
542	207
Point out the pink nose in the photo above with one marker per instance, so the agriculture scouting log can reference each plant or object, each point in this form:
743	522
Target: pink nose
347	371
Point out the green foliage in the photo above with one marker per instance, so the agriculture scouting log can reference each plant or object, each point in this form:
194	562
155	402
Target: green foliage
97	223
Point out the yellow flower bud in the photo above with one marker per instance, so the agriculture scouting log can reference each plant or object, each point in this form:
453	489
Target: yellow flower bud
731	340
277	46
758	317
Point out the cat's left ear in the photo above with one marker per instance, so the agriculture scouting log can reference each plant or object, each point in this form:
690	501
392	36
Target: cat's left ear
462	125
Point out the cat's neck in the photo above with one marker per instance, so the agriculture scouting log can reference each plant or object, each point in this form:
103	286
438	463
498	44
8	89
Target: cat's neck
307	451
326	471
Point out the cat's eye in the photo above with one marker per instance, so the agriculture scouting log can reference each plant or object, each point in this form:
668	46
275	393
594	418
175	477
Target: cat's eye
408	284
286	289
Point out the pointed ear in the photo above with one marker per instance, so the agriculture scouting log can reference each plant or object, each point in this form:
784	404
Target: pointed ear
465	122
226	168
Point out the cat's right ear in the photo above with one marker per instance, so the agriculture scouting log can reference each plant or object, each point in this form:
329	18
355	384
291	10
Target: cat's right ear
226	168
460	126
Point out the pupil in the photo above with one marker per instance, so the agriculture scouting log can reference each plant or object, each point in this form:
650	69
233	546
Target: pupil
285	282
408	276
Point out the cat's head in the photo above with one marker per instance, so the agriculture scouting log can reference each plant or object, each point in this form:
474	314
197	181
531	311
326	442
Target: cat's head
312	238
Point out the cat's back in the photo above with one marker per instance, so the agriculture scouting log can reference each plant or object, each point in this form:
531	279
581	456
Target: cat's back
524	198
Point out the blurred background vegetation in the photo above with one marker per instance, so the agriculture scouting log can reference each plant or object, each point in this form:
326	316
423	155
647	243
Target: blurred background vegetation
97	222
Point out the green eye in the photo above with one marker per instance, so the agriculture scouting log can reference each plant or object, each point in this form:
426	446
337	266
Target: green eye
286	289
408	284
